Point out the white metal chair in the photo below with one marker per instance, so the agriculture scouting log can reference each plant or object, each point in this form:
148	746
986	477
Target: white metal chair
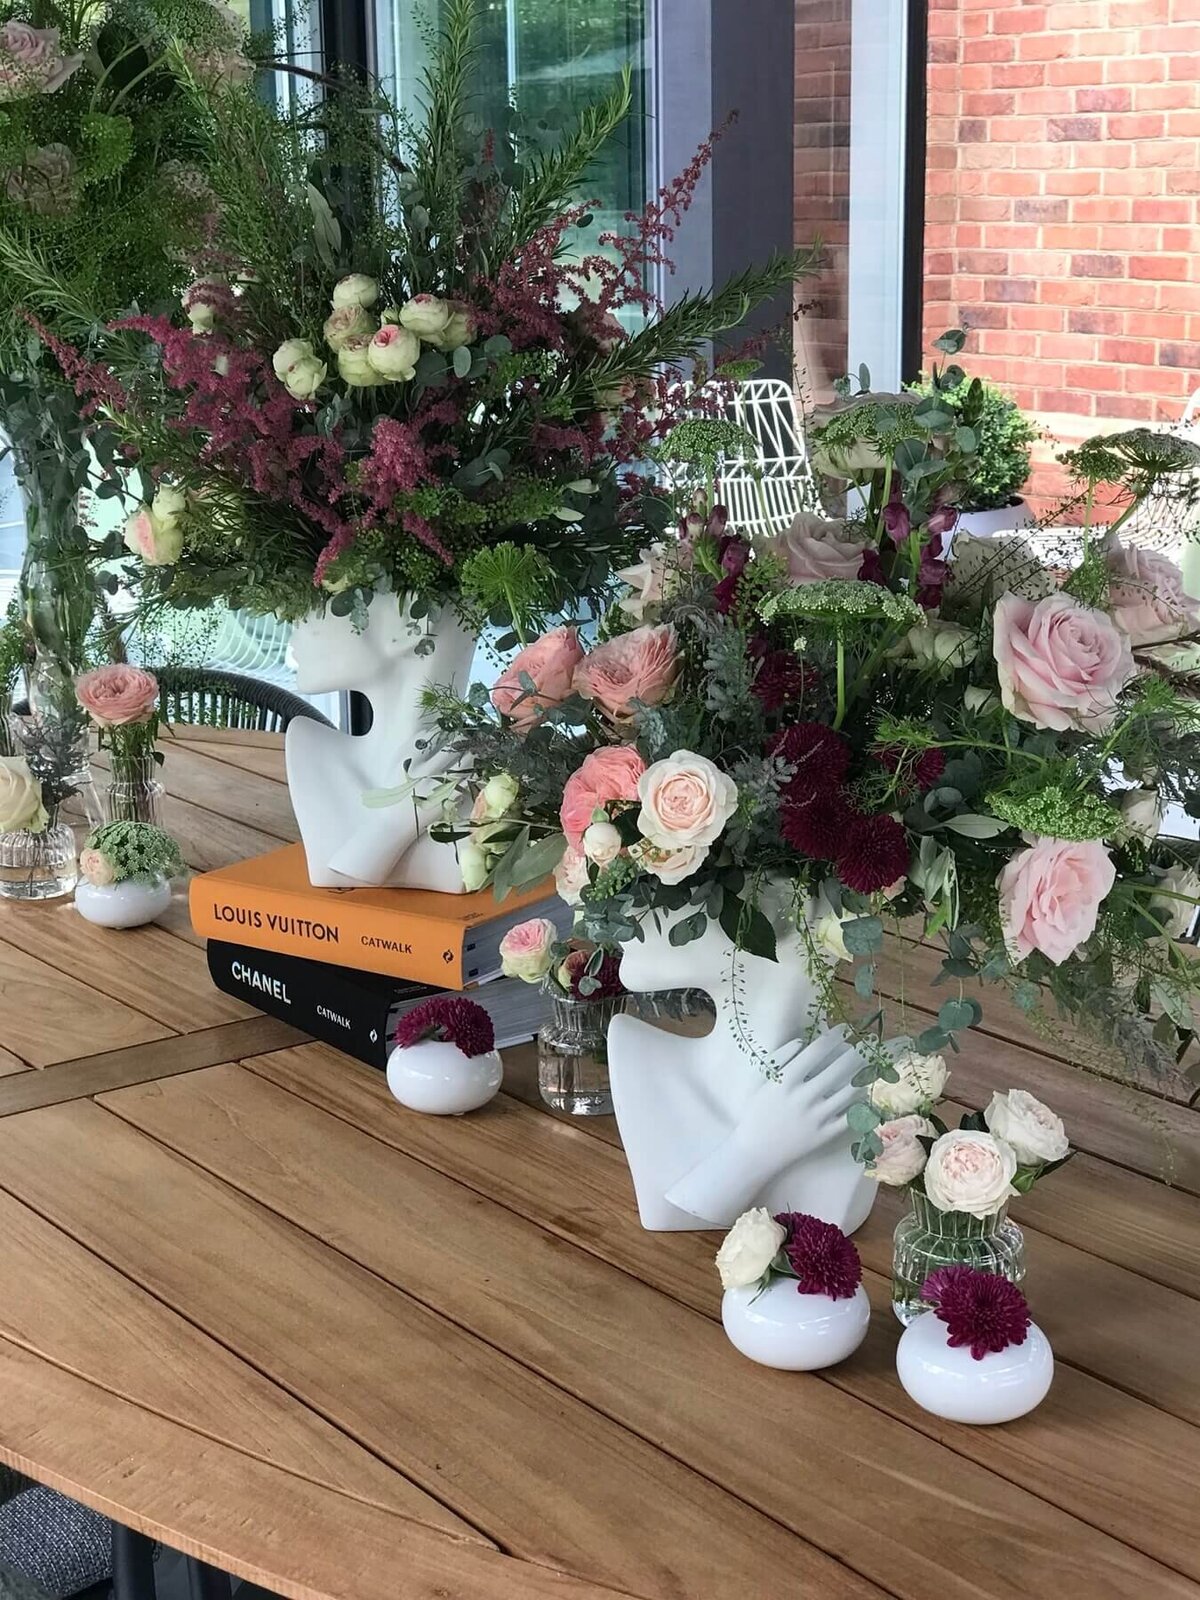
763	495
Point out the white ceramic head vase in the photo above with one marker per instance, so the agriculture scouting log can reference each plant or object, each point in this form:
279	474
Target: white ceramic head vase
348	843
707	1132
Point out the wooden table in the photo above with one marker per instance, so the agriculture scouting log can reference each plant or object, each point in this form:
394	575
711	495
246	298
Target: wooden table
255	1309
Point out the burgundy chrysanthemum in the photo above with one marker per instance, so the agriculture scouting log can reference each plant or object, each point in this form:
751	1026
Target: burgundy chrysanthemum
819	754
920	772
872	853
781	680
817	825
451	1019
821	1256
979	1308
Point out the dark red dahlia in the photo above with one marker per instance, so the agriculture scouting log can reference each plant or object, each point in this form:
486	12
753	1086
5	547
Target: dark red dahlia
921	771
979	1308
821	1256
781	680
815	826
819	754
872	853
451	1019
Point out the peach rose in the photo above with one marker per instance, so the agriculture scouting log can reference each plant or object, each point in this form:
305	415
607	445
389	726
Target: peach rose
117	695
609	774
640	666
1148	598
686	800
549	663
1061	665
527	951
1050	896
815	549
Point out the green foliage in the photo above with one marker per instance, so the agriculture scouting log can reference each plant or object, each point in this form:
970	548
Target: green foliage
137	850
1055	811
1002	435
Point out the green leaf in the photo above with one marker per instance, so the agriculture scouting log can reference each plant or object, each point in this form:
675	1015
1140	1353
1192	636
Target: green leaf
538	859
863	936
690	928
951	342
327	232
862	1117
864	981
959	1014
931	1041
748	929
1027	995
976	826
461	361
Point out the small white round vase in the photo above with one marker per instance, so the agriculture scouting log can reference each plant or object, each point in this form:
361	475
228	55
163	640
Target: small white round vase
122	905
435	1077
950	1383
780	1327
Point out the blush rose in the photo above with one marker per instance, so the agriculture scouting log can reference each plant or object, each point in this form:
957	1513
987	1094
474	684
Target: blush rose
638	667
118	695
549	663
816	549
686	800
1050	896
527	951
1060	665
970	1172
902	1157
1148	598
606	776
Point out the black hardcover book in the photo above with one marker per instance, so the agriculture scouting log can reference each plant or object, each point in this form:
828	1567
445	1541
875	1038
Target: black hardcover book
357	1011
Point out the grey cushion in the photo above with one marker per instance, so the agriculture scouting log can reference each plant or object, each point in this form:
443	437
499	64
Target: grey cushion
55	1544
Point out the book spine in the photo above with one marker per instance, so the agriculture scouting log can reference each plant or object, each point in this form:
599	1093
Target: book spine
311	996
327	929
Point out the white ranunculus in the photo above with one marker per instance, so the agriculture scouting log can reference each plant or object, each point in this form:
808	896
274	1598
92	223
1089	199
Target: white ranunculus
571	875
1141	811
305	377
903	1155
394	353
602	843
473	864
289	352
921	1083
970	1172
941	644
355	290
1176	914
1031	1129
20	797
348	322
425	315
354	365
749	1248
686	799
980	700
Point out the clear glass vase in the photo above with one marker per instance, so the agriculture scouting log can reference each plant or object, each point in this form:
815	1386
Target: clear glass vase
927	1239
573	1055
38	866
134	793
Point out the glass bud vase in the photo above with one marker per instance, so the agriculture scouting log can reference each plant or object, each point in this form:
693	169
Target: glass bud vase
573	1055
927	1239
37	866
134	793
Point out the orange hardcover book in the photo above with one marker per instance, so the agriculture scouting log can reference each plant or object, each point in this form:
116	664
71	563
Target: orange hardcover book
444	939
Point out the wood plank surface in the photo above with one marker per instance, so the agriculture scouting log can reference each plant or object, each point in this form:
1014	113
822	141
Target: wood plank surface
10	1063
265	762
63	1303
194	775
577	1186
74	1080
50	1016
516	1286
544	1475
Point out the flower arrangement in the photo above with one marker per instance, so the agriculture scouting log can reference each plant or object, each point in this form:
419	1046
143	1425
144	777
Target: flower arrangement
982	1313
815	1254
450	1019
569	968
411	383
120	852
847	715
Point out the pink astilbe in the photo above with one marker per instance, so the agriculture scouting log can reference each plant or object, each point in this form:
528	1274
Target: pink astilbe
90	380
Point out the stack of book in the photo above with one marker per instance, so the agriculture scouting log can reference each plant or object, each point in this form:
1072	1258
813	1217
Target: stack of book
343	965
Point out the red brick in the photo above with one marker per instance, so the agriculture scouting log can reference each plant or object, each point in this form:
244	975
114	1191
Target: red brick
986	316
1071	347
1138	125
1073	129
1066	71
1180	355
1051	47
1071	183
1165	380
989	104
1071	292
1025	19
1012	183
1103	99
1088	321
1143	182
1162	210
1183	182
1089	208
1130	296
1130	352
1065	400
1041	102
1004	289
1026	75
1016	130
1160	325
1036	319
1136	69
1098	266
982	261
973	130
1041	209
1183	124
1095	377
1162	96
1173	239
1134	13
1167	153
1107	153
1178	42
1075	14
1073	236
988	49
971	210
1159	268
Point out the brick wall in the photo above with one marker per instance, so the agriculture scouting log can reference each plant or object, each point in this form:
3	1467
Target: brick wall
1063	205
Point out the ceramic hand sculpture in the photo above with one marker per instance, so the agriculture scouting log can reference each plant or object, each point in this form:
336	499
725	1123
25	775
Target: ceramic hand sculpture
348	843
707	1132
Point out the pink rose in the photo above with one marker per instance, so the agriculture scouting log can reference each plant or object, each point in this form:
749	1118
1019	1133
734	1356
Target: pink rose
1050	895
686	800
117	695
1148	598
1061	665
31	61
527	951
96	868
608	775
902	1157
639	666
571	875
816	549
970	1172
549	663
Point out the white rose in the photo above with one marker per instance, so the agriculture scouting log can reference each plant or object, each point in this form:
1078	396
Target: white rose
647	582
96	868
20	797
159	543
169	503
941	644
425	315
669	866
527	951
1029	1128
979	700
571	875
1175	914
828	935
686	799
1142	814
355	290
289	352
749	1248
473	864
498	795
354	364
393	353
348	322
459	331
602	843
903	1155
305	377
970	1172
921	1082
